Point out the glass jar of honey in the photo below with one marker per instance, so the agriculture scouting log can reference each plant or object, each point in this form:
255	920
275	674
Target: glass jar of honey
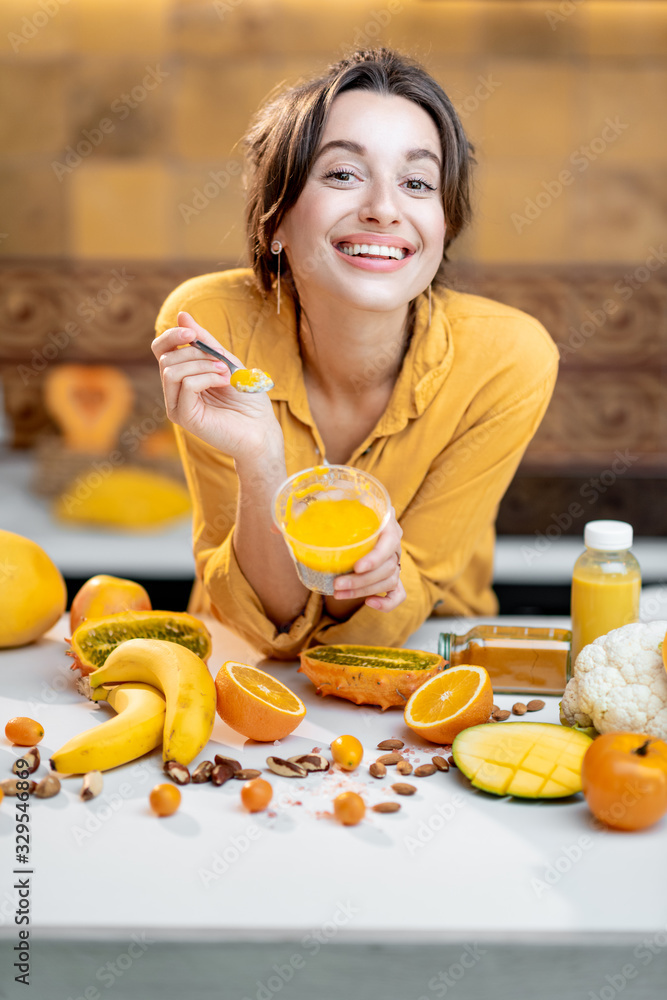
519	659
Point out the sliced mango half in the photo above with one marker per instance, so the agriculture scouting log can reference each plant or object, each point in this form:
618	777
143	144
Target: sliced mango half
531	760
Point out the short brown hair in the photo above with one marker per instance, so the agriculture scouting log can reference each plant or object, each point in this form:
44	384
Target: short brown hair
284	136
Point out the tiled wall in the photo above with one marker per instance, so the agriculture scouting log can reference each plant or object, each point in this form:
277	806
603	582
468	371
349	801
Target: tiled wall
156	94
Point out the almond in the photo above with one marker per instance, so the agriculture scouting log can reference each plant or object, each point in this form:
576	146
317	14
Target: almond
377	770
404	767
387	807
391	745
425	770
403	789
389	758
535	705
451	762
501	716
518	708
440	763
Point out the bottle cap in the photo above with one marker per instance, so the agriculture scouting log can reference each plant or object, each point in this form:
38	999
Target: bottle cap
610	536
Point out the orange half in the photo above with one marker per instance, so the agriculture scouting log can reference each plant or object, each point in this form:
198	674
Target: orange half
450	702
255	704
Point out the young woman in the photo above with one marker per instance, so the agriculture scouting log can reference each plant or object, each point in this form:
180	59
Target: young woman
357	184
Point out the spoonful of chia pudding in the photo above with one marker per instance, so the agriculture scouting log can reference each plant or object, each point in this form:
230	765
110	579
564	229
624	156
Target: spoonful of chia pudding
243	379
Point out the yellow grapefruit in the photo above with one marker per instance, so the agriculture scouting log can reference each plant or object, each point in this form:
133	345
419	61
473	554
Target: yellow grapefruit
33	595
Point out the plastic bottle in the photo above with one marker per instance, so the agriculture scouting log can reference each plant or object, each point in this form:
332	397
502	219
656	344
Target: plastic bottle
606	583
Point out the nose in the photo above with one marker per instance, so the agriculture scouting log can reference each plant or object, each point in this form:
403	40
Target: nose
381	203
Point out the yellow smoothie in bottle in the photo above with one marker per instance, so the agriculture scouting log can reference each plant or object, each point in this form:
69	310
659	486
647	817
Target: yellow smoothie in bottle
602	602
606	583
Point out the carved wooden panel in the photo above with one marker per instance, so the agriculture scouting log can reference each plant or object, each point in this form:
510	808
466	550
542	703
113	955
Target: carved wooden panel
610	325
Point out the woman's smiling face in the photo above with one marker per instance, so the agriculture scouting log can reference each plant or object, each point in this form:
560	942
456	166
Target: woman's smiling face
368	227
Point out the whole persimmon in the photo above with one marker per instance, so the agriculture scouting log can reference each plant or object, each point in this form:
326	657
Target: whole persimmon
107	595
624	780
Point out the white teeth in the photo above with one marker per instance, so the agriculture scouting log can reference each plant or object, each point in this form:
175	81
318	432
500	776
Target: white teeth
374	249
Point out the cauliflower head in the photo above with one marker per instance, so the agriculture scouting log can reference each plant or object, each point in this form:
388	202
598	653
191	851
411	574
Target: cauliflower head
620	682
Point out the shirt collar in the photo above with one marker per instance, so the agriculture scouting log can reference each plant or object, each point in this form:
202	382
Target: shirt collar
274	347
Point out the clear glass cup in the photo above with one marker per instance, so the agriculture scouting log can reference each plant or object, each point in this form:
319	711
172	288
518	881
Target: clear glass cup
319	565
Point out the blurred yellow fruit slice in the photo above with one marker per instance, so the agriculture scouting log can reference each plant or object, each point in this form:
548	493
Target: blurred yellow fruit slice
127	498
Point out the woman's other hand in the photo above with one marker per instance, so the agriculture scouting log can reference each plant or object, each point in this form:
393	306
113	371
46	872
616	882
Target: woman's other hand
377	575
199	398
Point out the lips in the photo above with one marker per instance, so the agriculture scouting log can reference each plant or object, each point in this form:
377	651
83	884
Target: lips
375	246
375	251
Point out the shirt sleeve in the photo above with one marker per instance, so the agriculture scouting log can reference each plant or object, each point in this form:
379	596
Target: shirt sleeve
213	485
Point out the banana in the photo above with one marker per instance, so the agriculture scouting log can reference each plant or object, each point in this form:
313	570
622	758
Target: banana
134	731
185	682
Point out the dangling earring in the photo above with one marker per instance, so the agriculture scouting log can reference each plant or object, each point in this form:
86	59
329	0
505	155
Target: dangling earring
276	248
429	305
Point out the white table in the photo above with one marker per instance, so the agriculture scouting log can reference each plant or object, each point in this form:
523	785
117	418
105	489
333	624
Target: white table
496	897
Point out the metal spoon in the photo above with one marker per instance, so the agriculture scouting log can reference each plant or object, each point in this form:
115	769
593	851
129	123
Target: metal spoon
261	381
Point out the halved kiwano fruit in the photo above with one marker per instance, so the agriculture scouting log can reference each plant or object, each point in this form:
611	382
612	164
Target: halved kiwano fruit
531	760
369	675
93	640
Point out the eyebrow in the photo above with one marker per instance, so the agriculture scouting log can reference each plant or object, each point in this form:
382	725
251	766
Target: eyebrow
354	147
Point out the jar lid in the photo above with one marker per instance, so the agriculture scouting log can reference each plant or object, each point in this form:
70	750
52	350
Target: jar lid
608	535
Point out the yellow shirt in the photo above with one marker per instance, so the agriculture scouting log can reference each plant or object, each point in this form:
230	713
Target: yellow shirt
471	393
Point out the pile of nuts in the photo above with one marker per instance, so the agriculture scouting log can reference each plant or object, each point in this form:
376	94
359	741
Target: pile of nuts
48	786
28	763
378	769
224	768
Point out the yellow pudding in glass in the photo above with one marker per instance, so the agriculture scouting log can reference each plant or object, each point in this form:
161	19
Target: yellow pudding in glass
330	516
337	525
